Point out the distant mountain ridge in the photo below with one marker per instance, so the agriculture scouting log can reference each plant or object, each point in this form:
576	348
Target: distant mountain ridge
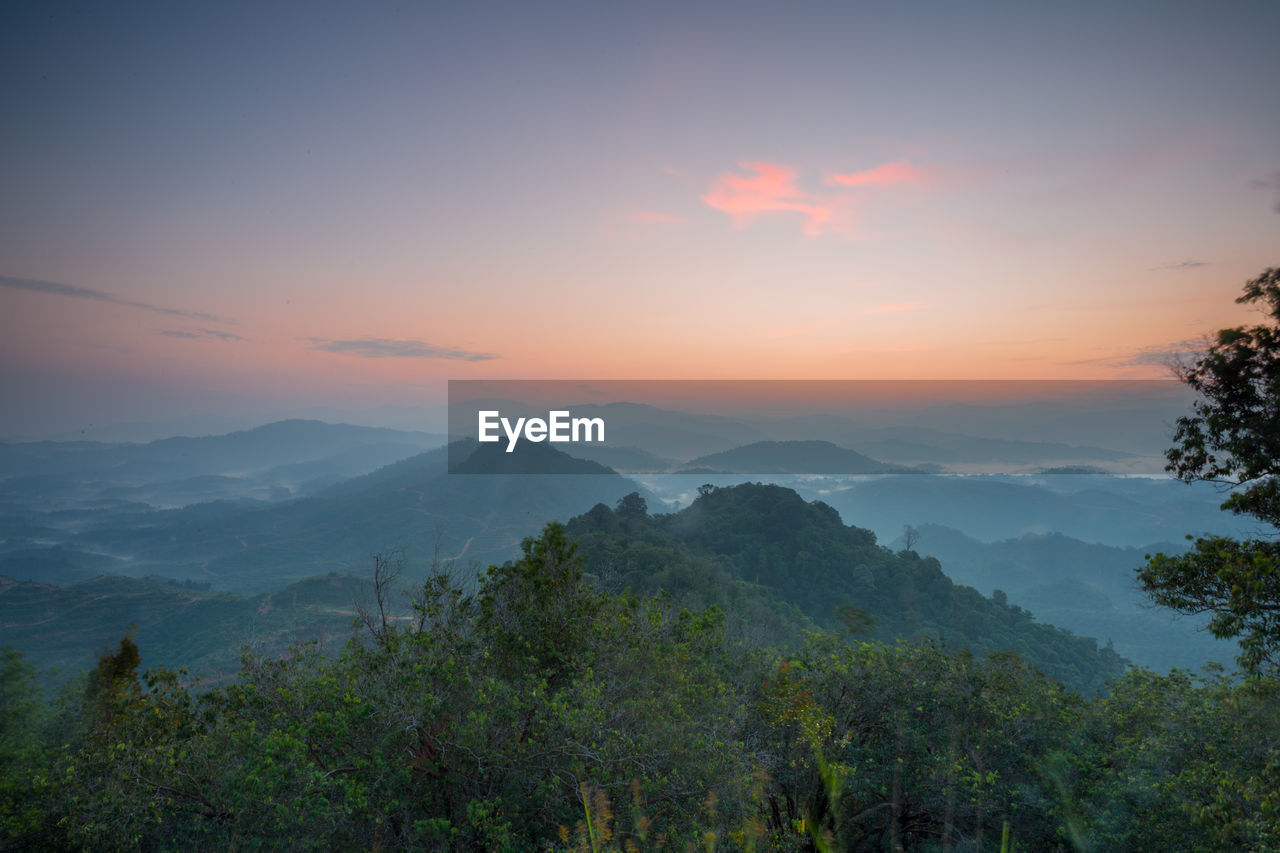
793	457
1091	508
779	565
267	463
1086	587
260	448
413	504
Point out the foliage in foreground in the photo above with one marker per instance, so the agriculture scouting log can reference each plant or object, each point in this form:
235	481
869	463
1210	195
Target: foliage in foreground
542	713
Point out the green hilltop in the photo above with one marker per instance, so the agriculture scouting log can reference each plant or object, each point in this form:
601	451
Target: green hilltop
764	547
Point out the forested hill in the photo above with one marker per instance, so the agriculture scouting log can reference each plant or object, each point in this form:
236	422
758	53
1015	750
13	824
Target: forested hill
801	555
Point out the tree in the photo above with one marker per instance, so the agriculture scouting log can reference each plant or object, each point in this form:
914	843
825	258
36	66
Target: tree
632	505
881	747
1233	437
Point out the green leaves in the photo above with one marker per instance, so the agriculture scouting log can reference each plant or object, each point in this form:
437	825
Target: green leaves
908	744
468	726
1233	436
1234	433
1175	762
543	713
1237	582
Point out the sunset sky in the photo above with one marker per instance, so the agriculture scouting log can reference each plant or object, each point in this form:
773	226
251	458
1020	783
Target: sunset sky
253	209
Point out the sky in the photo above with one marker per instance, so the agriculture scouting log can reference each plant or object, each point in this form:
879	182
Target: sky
250	210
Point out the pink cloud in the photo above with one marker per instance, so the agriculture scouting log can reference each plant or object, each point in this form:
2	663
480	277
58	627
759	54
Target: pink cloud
759	188
884	175
771	189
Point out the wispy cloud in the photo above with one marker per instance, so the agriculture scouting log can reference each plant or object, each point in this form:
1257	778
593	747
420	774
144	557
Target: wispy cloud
1271	183
760	188
197	334
1182	265
653	217
387	348
884	175
72	291
768	188
1159	355
672	171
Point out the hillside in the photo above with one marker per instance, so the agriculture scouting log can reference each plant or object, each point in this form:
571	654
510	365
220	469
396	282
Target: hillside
66	629
778	566
806	557
1085	587
412	505
1109	510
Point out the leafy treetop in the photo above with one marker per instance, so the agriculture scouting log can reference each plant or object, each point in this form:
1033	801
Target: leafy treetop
1234	434
1233	437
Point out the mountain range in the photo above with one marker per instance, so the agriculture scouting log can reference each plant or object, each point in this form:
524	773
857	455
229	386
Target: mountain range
1061	544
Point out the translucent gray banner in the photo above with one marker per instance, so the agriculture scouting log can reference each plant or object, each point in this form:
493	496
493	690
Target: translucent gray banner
811	427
